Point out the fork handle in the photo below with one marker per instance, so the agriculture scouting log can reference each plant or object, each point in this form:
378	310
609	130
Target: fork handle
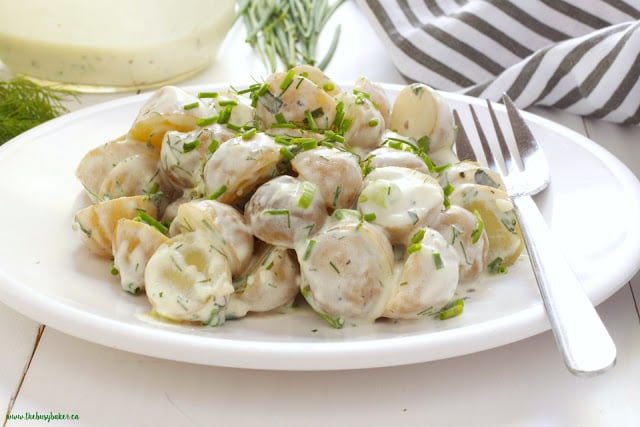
581	336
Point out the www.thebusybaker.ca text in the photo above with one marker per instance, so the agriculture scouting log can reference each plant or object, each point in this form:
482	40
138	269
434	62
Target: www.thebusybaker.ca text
37	416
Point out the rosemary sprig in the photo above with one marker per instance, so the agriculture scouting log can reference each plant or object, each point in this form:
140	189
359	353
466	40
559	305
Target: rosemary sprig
25	104
287	31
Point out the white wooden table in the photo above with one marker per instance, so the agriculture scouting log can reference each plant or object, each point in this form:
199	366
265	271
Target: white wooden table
522	384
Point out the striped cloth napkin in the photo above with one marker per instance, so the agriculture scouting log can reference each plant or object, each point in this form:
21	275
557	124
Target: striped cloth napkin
582	56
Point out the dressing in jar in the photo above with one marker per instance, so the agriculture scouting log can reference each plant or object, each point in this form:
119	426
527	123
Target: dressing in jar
114	45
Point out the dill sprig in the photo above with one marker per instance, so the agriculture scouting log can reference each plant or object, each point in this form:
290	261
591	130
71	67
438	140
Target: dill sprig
287	31
25	104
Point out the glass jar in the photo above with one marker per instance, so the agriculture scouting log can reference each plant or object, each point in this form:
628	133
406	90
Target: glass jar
114	45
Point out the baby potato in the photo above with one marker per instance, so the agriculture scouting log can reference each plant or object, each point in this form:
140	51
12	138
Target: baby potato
270	282
97	163
184	154
97	223
466	233
376	94
136	175
188	279
316	75
471	172
347	270
419	111
496	210
133	244
387	156
240	165
427	277
285	209
363	122
222	224
336	173
296	99
166	111
400	199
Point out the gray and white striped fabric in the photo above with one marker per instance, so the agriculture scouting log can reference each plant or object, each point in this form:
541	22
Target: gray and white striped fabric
582	56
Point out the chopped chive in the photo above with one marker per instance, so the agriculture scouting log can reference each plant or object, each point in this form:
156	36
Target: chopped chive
286	125
328	87
225	115
437	260
307	251
207	121
219	192
228	102
310	120
190	146
286	153
279	212
418	236
373	123
334	267
336	195
496	266
249	134
308	193
286	82
145	218
280	118
452	309
191	106
414	248
113	269
477	232
369	217
213	146
208	95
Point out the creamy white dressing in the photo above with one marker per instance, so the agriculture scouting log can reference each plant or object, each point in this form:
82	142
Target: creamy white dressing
115	43
373	238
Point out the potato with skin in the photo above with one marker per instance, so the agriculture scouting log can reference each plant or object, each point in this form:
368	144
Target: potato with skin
316	75
465	232
133	244
98	162
470	172
271	282
427	277
336	173
240	165
363	122
400	199
97	223
376	94
188	279
387	156
166	111
295	99
420	111
347	270
224	225
136	175
496	210
184	154
285	209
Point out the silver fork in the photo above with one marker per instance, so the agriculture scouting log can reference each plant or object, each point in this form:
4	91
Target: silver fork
581	336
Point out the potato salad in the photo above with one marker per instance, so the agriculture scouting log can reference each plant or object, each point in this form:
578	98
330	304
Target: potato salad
216	205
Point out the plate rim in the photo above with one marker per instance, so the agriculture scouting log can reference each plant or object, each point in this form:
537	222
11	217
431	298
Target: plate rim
523	324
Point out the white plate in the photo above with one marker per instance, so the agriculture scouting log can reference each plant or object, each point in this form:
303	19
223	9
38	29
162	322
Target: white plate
592	206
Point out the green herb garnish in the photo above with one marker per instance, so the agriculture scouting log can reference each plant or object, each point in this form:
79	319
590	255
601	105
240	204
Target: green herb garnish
452	309
287	32
25	105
